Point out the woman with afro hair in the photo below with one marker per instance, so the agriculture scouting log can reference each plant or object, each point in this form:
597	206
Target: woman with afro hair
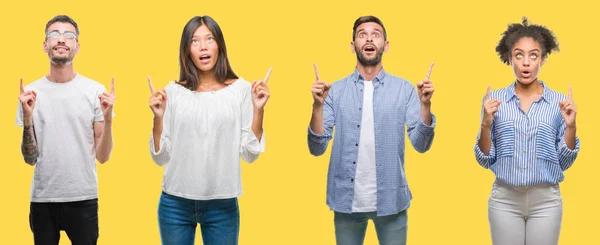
528	139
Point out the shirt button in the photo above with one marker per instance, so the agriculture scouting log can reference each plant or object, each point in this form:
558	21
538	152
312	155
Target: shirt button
358	126
351	180
523	185
524	151
359	108
353	162
356	144
525	134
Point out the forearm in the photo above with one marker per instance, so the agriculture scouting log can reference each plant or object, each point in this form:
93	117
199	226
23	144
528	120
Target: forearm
257	123
105	145
426	113
29	147
317	124
485	142
157	129
570	136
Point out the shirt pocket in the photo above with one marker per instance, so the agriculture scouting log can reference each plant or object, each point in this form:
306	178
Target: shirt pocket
545	143
504	134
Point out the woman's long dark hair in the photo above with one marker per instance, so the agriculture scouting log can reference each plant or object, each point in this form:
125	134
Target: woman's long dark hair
188	72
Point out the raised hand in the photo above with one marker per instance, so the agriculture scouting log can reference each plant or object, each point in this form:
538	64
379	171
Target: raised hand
107	101
320	89
158	100
490	107
260	92
27	100
568	109
425	87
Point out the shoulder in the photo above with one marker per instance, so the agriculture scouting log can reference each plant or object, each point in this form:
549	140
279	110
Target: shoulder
555	95
240	86
343	82
175	87
397	81
35	84
89	84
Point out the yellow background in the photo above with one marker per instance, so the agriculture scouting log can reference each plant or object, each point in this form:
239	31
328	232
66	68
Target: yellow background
284	191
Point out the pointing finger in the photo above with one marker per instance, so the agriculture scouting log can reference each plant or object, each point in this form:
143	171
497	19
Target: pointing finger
268	74
150	85
316	71
21	87
429	71
112	85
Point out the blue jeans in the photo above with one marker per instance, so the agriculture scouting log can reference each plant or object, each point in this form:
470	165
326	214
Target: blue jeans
219	220
350	229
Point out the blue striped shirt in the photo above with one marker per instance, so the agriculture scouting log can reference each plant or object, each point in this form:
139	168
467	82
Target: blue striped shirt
395	104
528	149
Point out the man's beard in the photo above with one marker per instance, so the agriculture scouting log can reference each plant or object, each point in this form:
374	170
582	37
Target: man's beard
364	61
61	60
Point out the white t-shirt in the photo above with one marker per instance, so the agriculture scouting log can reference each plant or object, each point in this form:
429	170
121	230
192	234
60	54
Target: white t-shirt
365	181
204	134
63	119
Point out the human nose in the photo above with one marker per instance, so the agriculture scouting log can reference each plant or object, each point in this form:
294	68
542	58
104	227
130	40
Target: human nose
202	45
61	37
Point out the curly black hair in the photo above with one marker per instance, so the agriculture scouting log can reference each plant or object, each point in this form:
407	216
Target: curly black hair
516	31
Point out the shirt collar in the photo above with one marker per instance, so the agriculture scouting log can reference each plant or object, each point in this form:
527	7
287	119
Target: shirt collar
357	77
511	94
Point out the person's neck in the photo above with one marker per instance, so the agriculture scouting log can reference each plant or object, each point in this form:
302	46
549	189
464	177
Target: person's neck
207	81
529	90
61	73
369	72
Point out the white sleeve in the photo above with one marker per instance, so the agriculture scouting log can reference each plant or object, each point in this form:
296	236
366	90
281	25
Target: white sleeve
250	147
163	155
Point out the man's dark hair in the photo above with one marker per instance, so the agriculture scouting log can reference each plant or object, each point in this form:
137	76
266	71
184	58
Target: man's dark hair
366	19
62	19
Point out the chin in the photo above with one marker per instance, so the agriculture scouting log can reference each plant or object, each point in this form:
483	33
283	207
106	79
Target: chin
526	81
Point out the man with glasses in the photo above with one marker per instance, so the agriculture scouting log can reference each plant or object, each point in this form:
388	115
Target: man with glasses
67	125
369	109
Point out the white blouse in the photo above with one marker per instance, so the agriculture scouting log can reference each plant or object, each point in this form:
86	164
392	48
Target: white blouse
204	134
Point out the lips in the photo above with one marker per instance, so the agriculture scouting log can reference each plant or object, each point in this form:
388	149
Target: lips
205	58
526	74
59	48
369	48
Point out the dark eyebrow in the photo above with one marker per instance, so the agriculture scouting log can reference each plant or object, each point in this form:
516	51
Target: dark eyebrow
207	35
518	49
364	30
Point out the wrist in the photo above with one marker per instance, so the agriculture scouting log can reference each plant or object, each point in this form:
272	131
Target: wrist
317	105
426	104
259	110
27	121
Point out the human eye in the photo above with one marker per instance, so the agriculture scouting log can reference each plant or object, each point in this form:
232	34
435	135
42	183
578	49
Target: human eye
70	35
53	34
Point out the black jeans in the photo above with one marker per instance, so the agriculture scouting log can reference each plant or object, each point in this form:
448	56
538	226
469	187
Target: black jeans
78	219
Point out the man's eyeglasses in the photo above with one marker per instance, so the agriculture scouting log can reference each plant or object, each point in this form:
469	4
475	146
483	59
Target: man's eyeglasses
56	35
